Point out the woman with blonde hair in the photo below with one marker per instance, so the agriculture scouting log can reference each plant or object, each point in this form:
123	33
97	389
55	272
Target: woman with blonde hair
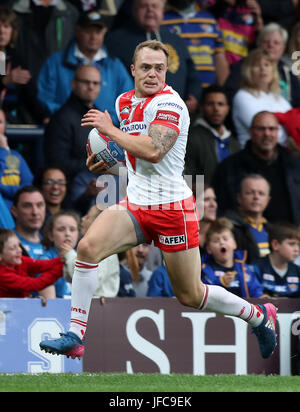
260	90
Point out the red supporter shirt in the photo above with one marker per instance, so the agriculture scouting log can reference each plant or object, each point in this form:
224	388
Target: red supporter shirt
19	281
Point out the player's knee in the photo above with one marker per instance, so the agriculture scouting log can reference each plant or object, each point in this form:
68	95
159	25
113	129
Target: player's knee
191	298
187	299
86	250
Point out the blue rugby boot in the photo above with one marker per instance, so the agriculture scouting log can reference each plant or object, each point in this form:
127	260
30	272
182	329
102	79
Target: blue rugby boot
265	332
68	344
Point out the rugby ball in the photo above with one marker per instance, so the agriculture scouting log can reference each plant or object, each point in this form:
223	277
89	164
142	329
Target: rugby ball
107	150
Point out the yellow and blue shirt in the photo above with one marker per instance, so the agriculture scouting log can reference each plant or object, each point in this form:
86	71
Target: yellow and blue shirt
245	284
276	285
203	38
260	234
14	174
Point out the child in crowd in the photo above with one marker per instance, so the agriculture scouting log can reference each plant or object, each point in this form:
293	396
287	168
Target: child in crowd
278	274
61	235
109	271
17	272
225	266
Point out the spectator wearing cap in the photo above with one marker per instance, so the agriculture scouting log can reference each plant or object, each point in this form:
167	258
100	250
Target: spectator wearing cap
55	78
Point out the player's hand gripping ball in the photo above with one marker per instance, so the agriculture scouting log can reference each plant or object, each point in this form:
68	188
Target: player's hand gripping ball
107	150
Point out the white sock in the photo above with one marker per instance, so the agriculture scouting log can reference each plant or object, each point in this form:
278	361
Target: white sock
219	300
84	284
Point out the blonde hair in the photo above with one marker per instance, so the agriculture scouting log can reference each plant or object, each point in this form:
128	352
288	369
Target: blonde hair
151	44
247	80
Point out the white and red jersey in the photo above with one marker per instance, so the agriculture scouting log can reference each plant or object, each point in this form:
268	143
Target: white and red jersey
163	182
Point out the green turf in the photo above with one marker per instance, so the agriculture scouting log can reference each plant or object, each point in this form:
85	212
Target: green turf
114	382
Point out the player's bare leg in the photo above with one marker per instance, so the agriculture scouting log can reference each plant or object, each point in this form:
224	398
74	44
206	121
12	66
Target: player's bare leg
112	232
184	270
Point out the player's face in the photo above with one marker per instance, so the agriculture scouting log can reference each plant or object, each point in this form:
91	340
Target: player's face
288	249
221	246
12	252
254	196
149	72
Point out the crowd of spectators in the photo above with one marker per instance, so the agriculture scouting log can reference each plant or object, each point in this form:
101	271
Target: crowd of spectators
234	62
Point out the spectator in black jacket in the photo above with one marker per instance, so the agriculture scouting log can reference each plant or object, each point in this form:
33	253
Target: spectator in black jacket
262	155
65	141
209	140
281	11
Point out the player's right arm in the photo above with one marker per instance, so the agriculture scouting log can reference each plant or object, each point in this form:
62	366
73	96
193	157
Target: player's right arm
163	139
152	147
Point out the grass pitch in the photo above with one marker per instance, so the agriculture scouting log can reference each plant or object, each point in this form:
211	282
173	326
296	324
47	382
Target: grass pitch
121	382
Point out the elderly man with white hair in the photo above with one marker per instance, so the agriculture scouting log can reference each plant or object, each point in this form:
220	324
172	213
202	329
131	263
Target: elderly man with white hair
272	38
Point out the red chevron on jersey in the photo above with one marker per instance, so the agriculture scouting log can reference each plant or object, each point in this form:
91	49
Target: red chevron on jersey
146	179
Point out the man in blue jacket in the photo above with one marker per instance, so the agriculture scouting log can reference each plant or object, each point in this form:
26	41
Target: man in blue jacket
55	77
